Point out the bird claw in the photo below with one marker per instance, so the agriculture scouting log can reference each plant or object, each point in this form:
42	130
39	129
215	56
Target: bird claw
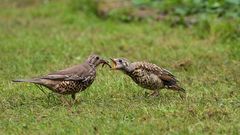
154	94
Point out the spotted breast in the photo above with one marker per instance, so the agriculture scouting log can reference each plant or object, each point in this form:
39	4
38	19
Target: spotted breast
148	75
70	80
145	78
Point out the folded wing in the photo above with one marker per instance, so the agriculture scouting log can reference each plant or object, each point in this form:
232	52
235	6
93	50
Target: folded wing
78	72
166	76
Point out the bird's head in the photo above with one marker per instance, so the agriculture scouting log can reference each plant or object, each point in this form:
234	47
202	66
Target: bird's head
120	64
96	60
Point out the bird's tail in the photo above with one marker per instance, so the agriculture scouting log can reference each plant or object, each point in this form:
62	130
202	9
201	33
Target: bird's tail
179	89
34	80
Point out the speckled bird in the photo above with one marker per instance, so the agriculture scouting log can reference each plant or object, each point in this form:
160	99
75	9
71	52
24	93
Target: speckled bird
71	80
148	75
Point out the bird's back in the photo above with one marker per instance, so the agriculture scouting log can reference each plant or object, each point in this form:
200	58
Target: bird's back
151	76
70	80
145	75
81	75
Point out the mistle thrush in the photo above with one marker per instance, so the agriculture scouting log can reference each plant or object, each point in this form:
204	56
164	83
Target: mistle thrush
71	80
148	75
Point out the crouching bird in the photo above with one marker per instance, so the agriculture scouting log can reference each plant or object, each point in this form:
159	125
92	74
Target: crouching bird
71	80
148	75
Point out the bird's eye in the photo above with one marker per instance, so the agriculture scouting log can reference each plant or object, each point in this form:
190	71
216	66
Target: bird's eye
97	58
120	61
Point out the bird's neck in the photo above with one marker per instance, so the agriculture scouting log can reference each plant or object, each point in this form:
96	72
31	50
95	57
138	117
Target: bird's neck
91	64
128	70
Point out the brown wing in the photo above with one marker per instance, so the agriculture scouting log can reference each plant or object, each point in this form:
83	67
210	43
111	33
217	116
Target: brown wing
168	76
77	72
162	73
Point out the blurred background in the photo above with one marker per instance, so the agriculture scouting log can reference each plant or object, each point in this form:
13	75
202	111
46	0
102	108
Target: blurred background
197	40
154	30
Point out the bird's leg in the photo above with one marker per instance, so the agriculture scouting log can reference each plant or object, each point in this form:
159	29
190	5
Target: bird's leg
74	98
64	100
155	93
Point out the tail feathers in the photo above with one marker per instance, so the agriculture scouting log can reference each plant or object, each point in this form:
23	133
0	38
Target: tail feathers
177	88
35	80
182	89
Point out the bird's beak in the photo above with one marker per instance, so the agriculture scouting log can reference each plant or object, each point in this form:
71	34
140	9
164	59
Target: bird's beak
114	63
104	62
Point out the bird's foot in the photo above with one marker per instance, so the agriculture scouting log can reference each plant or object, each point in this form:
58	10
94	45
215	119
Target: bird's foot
74	102
64	100
154	94
183	95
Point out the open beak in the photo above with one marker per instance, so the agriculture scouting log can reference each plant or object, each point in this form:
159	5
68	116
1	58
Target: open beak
114	63
104	62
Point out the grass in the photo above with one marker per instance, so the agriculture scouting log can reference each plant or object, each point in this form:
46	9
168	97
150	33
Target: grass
40	37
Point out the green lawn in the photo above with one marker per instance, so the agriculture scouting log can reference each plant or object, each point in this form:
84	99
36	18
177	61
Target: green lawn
37	38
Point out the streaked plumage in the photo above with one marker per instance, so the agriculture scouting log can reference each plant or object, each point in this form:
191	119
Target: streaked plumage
71	80
148	75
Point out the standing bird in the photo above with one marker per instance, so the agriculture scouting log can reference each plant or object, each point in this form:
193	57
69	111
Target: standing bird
148	75
71	80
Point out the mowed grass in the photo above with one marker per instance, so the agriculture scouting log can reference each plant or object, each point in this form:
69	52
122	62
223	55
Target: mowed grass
40	37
